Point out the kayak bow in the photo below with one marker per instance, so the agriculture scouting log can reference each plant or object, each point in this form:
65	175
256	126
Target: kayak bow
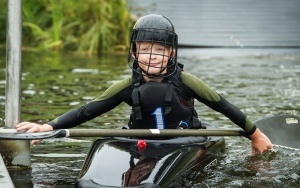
120	162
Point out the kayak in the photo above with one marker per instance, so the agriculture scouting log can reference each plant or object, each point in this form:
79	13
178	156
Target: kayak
119	159
131	162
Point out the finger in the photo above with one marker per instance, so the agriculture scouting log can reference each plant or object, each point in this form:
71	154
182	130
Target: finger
33	142
29	127
270	147
34	128
256	151
26	126
22	124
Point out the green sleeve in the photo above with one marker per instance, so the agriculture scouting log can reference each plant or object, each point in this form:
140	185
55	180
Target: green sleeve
109	99
206	95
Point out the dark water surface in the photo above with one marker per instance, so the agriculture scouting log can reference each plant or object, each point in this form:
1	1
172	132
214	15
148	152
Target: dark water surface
259	82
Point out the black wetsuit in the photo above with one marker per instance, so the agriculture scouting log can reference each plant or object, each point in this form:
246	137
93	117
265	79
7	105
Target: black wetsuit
121	91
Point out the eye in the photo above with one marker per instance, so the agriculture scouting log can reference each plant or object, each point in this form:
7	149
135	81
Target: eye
143	49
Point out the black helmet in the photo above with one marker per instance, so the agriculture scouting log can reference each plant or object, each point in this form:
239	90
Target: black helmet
153	28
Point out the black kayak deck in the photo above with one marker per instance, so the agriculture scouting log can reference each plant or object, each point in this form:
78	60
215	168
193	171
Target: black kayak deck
115	162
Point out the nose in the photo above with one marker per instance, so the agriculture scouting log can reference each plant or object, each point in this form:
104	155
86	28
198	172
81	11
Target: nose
152	56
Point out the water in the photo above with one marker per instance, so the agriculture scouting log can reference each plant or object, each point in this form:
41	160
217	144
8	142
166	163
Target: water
259	82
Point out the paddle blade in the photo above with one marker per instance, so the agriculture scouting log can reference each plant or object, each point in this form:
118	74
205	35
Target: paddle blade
282	130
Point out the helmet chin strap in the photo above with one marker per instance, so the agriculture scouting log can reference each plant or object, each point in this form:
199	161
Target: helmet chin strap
159	75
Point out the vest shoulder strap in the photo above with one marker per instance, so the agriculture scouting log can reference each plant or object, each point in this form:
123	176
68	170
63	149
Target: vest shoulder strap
173	80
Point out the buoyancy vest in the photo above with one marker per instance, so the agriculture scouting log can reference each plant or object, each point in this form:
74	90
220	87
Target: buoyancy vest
162	105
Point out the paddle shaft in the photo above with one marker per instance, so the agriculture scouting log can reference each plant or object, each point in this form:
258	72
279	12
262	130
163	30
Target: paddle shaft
120	133
152	132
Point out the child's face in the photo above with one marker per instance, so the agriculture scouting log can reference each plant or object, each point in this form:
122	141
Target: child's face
153	57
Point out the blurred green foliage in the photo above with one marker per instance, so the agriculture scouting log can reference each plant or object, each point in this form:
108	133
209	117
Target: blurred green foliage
81	26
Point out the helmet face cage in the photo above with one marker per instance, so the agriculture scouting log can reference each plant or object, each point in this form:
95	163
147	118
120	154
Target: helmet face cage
149	33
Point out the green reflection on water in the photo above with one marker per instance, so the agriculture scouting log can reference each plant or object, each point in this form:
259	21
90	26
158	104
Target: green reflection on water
55	83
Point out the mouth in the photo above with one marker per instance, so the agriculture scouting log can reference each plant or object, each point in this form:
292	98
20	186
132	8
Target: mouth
154	64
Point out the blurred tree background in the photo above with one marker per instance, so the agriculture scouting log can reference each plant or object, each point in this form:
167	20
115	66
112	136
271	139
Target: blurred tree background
80	26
